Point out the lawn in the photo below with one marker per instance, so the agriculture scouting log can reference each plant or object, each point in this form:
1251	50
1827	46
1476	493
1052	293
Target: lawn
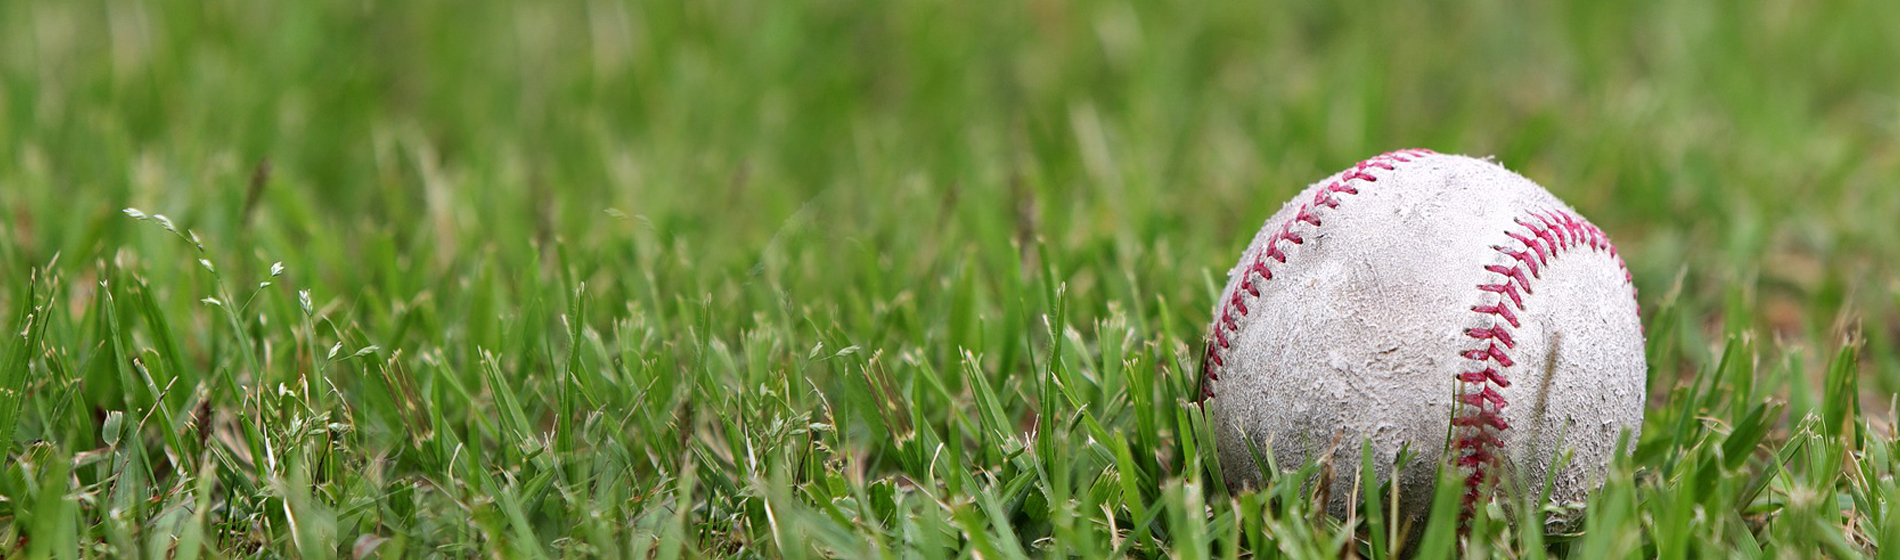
837	278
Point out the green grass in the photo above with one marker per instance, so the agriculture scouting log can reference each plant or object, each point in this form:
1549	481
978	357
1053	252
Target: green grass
827	278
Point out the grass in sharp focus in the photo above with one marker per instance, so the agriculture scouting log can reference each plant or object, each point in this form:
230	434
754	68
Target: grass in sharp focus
842	279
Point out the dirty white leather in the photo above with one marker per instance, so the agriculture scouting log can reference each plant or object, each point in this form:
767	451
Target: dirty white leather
1366	328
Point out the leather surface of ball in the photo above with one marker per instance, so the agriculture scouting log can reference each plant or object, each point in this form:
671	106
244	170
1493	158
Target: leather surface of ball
1434	303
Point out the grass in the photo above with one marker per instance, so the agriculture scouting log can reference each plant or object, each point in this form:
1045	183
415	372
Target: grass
827	278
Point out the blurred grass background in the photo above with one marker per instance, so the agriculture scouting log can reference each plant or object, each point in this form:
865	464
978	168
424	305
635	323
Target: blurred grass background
671	275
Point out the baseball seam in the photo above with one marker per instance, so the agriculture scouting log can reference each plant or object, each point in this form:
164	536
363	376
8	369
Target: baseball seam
1479	423
1227	322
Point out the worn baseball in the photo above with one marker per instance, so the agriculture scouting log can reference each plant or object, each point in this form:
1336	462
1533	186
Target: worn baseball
1431	303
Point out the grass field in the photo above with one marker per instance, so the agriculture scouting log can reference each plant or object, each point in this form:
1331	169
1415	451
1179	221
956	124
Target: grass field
829	278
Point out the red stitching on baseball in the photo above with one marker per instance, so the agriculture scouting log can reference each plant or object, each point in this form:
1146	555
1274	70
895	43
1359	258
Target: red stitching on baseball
1507	289
1501	310
1513	273
1480	422
1309	213
1492	353
1483	396
1307	216
1499	334
1533	242
1489	375
1545	234
1488	418
1525	257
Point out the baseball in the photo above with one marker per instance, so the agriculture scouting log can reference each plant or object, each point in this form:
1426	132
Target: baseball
1433	303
